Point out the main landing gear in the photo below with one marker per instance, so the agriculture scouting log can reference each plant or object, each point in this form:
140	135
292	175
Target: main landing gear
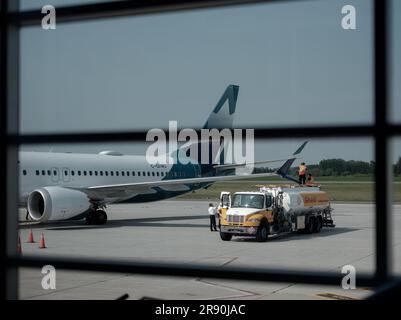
96	217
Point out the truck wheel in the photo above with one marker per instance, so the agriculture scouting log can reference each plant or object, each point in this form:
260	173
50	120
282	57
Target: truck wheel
317	224
225	236
310	226
262	233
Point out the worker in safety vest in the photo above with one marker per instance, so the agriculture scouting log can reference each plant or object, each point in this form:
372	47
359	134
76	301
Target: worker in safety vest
310	181
302	173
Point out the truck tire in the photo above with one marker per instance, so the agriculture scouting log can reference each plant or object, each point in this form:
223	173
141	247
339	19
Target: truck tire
317	224
263	232
310	226
225	236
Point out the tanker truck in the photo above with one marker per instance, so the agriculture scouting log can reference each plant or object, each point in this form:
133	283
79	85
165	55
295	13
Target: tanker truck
273	210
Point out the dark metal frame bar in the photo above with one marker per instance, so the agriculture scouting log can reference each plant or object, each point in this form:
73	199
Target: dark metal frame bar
259	133
383	174
381	131
9	100
124	8
178	270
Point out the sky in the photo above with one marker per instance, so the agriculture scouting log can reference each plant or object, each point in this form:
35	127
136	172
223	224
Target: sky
294	64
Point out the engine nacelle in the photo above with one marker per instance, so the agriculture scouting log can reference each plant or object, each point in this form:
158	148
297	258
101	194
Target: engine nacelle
56	203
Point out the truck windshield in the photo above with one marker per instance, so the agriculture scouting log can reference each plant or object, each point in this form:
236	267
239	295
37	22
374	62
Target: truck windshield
248	201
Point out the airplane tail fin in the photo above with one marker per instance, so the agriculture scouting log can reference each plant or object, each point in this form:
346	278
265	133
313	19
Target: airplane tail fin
220	118
284	169
222	115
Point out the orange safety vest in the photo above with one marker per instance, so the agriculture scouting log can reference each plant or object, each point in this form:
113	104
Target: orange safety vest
302	170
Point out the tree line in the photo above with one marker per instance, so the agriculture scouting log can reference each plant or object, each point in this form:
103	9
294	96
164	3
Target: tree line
338	167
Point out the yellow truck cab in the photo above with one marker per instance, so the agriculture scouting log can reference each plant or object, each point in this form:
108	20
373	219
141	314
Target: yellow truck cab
273	210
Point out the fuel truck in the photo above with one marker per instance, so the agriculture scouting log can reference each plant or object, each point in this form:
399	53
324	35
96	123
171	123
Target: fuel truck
273	210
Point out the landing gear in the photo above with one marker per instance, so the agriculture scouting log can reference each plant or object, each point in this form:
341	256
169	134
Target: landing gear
96	217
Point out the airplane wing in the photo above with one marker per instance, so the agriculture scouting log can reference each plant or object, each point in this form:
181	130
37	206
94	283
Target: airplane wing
130	189
127	190
240	165
293	157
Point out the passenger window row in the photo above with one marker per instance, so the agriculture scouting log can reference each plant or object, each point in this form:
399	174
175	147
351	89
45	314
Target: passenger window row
108	173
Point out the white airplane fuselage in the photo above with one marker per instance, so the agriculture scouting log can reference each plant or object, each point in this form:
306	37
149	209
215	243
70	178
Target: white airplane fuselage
46	169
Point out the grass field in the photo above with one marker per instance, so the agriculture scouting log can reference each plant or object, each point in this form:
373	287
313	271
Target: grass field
353	190
350	178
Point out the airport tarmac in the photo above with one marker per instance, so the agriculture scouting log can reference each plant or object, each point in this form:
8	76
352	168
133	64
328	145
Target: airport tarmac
178	231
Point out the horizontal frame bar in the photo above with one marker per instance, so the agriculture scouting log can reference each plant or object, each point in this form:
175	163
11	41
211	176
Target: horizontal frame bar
178	270
115	9
260	133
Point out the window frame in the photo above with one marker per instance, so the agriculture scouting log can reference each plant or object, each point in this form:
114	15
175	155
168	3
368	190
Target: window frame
381	131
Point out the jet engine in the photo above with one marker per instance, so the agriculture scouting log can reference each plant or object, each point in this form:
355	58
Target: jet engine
57	203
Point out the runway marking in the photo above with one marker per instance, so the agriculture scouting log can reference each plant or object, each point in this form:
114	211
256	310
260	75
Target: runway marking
283	288
352	261
229	261
366	289
76	287
334	296
246	293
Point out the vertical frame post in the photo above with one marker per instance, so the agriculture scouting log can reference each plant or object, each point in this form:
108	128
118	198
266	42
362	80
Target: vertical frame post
382	170
9	110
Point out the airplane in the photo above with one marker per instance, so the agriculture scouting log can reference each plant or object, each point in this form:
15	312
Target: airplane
73	186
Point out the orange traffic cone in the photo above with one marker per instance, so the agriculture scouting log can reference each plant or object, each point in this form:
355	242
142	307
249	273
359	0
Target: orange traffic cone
30	237
42	244
19	248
